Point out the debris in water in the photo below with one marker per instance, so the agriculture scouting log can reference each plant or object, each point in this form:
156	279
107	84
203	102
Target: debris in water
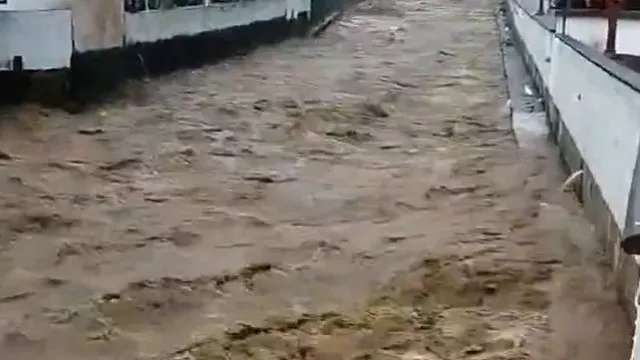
447	53
60	316
91	131
120	164
375	109
269	177
261	105
5	156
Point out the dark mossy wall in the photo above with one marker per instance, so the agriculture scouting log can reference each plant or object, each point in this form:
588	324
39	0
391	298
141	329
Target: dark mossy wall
93	73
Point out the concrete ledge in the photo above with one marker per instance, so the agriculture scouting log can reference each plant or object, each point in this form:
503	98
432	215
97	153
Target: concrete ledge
623	266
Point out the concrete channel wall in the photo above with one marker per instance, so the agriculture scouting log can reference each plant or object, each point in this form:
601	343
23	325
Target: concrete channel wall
593	112
96	44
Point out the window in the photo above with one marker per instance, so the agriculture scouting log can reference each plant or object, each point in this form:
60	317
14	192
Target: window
183	3
133	6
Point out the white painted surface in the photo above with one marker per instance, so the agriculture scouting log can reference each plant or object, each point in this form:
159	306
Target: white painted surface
156	25
536	38
593	32
599	111
42	38
28	5
601	114
98	24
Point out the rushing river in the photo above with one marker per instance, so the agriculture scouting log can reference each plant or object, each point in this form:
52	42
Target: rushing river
354	196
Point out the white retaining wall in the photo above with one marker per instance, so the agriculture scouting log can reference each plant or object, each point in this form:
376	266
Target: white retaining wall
30	5
42	38
593	108
599	110
602	115
593	32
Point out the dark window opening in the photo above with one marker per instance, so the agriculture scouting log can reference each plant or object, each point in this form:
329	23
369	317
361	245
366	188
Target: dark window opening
134	6
168	4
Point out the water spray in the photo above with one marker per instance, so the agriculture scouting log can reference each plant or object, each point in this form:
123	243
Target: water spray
571	179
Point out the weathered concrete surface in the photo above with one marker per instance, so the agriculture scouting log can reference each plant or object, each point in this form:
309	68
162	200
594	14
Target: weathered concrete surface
98	25
359	195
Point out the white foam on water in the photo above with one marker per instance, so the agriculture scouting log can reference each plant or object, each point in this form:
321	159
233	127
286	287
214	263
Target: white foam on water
530	128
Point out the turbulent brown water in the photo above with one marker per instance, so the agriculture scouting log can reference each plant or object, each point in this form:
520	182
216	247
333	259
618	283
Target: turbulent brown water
355	196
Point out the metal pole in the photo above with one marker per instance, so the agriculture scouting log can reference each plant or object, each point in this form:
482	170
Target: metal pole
612	10
565	10
540	7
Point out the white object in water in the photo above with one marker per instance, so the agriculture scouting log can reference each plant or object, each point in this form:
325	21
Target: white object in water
571	179
528	91
507	108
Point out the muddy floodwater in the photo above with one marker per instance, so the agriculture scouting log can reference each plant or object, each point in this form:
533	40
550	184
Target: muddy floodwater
354	196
